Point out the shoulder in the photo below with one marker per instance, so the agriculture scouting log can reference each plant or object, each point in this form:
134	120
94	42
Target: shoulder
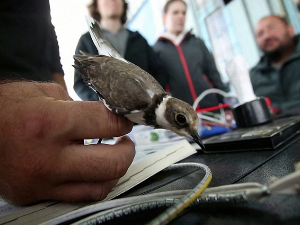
135	35
262	64
162	42
195	40
158	44
254	70
297	40
194	43
85	37
258	70
86	44
162	45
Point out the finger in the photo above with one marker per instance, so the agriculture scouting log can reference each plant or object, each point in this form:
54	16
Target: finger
95	162
87	120
81	191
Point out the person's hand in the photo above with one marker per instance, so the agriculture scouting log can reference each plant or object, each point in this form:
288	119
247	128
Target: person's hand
42	156
59	79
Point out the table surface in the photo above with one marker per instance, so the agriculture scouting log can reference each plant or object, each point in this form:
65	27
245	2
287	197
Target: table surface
250	166
236	167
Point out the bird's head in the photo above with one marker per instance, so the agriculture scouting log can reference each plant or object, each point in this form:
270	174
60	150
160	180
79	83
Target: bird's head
179	117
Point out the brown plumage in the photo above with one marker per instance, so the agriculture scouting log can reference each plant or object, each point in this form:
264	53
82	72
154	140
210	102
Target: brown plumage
124	86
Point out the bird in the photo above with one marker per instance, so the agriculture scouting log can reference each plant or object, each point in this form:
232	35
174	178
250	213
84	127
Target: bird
126	89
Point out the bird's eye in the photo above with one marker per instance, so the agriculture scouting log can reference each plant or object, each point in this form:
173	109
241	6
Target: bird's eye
180	119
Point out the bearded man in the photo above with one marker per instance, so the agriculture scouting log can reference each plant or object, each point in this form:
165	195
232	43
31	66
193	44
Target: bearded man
277	74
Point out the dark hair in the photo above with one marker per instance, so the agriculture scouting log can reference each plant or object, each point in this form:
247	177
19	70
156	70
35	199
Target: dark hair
167	5
93	9
283	19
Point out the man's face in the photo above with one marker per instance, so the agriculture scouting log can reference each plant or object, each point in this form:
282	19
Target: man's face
174	19
273	35
110	8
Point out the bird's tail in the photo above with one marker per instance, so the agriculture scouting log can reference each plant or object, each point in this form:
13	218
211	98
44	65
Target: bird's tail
102	44
81	64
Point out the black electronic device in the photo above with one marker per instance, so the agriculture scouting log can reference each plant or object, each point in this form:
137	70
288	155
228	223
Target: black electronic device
263	137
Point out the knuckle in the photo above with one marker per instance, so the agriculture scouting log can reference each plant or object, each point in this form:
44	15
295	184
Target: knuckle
37	124
34	123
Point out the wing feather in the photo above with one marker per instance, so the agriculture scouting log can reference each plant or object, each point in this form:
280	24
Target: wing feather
102	44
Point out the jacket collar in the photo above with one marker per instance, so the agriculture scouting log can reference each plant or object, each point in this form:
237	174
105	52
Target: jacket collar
176	40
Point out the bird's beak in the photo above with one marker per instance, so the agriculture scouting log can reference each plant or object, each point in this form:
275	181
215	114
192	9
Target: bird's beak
197	139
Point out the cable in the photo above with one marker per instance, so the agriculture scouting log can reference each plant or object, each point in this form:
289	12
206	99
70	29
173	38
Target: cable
212	91
249	188
204	117
289	184
170	213
113	204
173	211
211	195
234	194
106	216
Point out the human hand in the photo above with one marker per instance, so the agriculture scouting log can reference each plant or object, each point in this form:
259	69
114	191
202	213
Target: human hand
42	156
58	77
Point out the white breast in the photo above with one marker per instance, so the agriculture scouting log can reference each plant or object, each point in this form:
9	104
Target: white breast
137	117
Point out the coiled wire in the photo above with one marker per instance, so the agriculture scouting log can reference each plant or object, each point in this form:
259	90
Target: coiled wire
226	194
173	211
175	205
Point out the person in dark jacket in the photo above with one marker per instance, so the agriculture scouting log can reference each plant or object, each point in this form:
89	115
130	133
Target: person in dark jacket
28	54
277	74
131	45
189	68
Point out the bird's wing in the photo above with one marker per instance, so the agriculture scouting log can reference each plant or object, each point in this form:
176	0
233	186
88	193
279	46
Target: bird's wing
118	84
102	44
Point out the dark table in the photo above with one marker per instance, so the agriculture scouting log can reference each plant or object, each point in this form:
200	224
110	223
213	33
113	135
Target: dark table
250	166
229	168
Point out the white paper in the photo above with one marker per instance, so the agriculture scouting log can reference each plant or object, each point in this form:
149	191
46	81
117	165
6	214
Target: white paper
150	165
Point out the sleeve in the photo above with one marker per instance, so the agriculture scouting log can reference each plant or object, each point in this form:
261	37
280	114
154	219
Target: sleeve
55	64
82	89
211	70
